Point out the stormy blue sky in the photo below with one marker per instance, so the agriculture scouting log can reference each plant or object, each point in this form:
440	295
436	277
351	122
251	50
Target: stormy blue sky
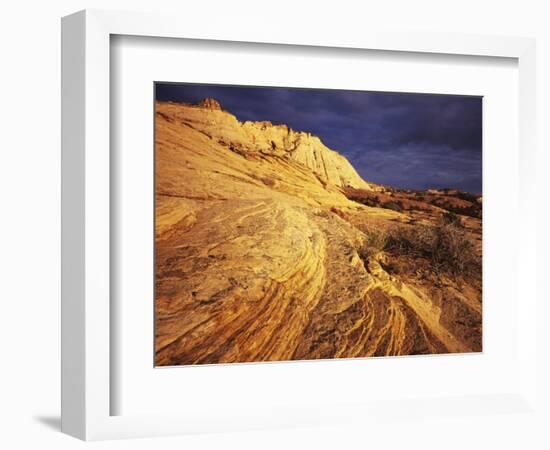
406	140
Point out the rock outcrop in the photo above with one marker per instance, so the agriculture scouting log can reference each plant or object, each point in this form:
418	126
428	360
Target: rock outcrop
210	103
259	252
265	138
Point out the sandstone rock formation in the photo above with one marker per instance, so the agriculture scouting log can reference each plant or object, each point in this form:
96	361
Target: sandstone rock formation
259	252
264	138
210	103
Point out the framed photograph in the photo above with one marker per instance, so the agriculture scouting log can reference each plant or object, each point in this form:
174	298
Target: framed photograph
266	229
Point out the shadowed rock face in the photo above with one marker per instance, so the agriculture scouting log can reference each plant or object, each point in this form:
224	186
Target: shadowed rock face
257	252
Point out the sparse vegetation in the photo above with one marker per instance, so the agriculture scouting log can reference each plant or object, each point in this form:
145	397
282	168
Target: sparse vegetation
375	242
452	218
445	247
458	202
394	205
395	266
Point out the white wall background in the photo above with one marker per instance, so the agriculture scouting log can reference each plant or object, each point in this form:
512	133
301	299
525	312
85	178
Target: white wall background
30	198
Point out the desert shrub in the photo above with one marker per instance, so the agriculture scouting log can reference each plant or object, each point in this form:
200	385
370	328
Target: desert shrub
467	196
375	242
473	210
415	241
394	205
368	200
445	246
373	202
452	218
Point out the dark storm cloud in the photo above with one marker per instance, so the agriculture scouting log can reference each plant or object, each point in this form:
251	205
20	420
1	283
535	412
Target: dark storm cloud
415	141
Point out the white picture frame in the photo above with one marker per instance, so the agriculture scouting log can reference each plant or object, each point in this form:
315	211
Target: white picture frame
86	324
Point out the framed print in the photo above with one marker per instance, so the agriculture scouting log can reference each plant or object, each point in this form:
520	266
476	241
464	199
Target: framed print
245	248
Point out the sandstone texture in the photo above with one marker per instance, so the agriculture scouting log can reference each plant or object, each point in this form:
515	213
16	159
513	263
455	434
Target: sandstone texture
260	250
